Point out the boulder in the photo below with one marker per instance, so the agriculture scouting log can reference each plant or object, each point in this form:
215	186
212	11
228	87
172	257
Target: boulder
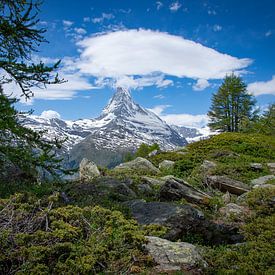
225	184
88	170
271	166
166	164
104	188
173	256
233	210
256	166
157	182
207	165
181	220
140	165
262	180
176	189
145	189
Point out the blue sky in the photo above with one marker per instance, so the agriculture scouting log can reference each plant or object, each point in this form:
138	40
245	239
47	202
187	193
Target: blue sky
172	55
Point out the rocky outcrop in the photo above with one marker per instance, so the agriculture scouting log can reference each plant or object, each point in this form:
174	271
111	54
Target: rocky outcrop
166	164
139	165
176	189
256	166
225	184
262	180
153	182
271	166
173	256
181	220
88	170
207	165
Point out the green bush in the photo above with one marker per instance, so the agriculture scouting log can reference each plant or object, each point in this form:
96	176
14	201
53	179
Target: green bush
38	238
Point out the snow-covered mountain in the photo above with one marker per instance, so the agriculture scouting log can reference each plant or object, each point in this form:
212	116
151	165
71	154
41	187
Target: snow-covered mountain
122	127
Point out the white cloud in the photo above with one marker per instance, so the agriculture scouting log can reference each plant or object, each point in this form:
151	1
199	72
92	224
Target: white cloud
125	54
159	5
67	23
174	7
200	85
217	28
187	120
160	96
158	110
268	33
49	114
262	87
80	31
104	16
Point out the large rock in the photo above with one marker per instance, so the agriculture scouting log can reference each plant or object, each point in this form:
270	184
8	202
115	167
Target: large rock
262	180
256	166
88	170
176	189
140	165
153	182
181	220
207	165
173	256
225	184
102	189
166	164
271	166
233	210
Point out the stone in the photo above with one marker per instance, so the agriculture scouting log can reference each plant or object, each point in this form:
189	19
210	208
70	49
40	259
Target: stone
262	180
207	165
181	220
105	188
88	170
153	153
157	182
233	210
176	189
166	164
226	198
225	184
256	166
145	189
173	256
140	165
271	166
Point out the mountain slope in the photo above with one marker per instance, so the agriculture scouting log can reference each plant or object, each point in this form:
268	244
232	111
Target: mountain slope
122	127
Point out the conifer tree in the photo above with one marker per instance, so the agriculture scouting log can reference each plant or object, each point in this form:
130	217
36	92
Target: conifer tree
231	105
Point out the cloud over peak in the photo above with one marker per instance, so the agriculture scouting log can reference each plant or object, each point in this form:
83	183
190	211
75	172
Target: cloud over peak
140	52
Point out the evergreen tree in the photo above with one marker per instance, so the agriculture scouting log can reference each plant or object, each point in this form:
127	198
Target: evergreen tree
20	36
231	105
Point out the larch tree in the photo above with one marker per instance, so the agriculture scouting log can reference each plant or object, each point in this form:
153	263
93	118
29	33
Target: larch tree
231	105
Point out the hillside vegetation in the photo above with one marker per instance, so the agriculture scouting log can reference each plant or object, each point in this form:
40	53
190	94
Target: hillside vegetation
85	227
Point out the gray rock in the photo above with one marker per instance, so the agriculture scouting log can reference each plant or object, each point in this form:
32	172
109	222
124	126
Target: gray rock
262	180
176	189
181	220
166	164
271	166
145	189
207	165
140	165
153	153
256	166
88	170
153	181
226	198
172	256
232	209
225	184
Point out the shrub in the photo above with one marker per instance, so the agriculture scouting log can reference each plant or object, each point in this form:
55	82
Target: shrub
37	238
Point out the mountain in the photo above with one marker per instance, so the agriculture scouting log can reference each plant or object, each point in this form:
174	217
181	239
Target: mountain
121	128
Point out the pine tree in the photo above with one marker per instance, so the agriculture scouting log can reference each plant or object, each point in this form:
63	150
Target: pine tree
231	105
